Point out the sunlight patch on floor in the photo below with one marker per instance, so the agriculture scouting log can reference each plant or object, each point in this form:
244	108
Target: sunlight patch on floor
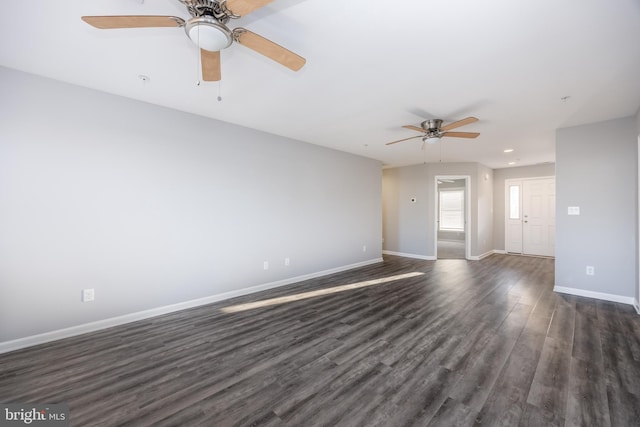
317	293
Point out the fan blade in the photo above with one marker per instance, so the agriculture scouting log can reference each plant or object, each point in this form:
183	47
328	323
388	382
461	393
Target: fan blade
400	140
414	128
459	123
133	21
269	49
210	65
244	7
462	134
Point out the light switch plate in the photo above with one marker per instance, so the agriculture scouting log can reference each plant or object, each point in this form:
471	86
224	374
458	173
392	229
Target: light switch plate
573	210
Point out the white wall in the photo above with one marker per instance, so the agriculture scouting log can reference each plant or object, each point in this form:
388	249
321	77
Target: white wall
596	170
408	228
499	178
153	207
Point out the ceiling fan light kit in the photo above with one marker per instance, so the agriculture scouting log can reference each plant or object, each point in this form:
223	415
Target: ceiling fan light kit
431	139
208	34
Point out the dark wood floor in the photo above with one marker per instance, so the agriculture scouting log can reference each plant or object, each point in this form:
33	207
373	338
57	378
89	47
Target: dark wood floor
481	342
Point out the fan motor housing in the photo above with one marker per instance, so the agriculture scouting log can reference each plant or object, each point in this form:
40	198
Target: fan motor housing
431	125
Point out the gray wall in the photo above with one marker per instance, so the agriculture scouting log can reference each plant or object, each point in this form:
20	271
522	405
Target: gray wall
152	207
405	225
409	227
484	224
499	178
596	169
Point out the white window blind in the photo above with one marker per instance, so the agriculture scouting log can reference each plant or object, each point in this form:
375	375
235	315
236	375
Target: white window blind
452	210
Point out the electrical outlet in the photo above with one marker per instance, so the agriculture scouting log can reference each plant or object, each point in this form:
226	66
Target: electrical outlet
287	261
590	270
265	265
88	295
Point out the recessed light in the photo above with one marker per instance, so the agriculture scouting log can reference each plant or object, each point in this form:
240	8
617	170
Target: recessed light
145	79
512	163
509	150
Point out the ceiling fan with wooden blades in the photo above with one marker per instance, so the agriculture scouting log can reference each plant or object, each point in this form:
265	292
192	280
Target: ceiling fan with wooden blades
432	130
208	30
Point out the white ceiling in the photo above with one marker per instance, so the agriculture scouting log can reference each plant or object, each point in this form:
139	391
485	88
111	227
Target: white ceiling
371	68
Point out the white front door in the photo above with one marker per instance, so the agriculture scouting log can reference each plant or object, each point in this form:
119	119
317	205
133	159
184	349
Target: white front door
539	216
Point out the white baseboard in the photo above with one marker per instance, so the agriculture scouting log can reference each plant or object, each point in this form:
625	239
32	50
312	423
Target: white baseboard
432	258
596	295
406	255
479	257
636	305
46	337
500	251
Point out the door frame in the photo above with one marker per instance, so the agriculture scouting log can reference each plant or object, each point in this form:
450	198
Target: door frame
507	184
637	298
467	213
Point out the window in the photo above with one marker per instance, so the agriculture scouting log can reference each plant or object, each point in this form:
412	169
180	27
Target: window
452	210
514	202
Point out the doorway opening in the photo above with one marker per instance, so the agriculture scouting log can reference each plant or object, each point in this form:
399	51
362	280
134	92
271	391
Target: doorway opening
452	217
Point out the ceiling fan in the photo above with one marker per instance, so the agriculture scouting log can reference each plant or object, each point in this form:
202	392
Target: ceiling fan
208	30
432	130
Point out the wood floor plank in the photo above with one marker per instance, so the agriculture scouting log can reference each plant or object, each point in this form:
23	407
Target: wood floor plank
534	416
562	323
507	401
587	403
452	413
586	338
622	378
548	392
462	343
478	379
630	322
